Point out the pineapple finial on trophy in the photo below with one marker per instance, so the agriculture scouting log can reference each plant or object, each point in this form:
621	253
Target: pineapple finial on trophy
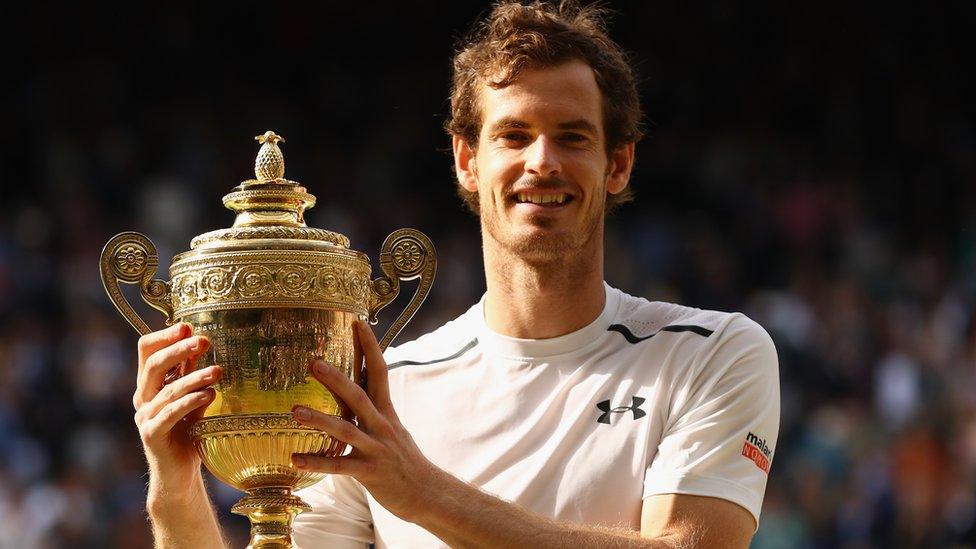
269	199
270	163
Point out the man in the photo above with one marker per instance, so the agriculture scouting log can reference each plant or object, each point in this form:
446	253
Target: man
558	411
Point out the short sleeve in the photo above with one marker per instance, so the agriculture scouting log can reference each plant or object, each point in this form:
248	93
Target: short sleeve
340	517
721	434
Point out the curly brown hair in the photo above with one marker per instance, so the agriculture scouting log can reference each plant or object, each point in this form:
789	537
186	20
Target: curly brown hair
516	36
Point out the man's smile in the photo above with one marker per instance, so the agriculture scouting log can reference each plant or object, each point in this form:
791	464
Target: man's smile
542	198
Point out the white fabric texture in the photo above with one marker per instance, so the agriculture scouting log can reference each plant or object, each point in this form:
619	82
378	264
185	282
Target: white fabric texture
651	398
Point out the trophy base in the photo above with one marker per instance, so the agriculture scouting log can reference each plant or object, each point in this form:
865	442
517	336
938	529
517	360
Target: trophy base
271	511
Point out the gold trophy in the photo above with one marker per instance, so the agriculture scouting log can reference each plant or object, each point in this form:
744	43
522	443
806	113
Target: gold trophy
271	294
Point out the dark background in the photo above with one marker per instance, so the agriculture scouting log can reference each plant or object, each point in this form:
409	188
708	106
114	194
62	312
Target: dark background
810	165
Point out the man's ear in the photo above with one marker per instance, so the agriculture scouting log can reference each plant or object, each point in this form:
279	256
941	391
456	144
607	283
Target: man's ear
465	164
621	164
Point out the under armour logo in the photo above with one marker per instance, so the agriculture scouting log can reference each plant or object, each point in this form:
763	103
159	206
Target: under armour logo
605	408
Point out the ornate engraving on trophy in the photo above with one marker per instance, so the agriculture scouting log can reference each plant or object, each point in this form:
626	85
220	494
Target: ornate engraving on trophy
228	349
332	280
273	351
285	347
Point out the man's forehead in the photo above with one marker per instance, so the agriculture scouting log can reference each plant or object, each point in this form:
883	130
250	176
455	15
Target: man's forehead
565	94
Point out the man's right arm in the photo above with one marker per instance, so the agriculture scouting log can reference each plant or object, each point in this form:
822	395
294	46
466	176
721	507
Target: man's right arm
190	523
181	513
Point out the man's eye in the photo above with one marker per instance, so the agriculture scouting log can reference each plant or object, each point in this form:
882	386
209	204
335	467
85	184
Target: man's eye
515	137
574	138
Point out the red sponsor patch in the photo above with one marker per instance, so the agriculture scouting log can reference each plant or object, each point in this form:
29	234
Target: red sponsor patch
753	453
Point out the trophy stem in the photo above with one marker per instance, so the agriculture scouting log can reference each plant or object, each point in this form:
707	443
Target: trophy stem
271	511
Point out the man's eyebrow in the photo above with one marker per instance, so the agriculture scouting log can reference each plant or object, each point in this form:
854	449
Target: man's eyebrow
508	123
579	124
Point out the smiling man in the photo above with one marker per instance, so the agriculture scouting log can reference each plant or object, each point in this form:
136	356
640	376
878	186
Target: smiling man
556	412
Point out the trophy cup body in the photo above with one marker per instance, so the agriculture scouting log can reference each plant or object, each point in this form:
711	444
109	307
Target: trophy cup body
271	294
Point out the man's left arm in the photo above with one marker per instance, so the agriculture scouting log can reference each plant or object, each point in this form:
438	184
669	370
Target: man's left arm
387	462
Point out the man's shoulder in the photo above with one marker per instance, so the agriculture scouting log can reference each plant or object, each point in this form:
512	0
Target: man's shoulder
638	319
643	317
449	341
701	342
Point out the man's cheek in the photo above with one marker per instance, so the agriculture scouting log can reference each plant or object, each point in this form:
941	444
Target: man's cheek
490	203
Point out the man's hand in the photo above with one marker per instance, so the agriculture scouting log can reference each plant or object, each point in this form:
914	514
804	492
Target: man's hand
174	465
178	506
384	457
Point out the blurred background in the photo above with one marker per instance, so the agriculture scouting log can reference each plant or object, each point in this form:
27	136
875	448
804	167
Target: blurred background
812	166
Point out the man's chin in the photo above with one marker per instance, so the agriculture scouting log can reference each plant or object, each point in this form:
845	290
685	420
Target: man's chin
541	245
537	242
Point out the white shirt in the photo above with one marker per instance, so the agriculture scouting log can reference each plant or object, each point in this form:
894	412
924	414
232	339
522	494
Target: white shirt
650	398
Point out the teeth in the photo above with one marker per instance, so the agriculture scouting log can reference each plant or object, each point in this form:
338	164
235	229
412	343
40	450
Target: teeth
542	198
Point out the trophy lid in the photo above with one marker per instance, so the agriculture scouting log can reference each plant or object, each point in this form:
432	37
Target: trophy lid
269	259
268	206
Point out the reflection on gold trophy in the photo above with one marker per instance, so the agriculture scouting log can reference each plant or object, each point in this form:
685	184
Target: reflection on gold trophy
271	294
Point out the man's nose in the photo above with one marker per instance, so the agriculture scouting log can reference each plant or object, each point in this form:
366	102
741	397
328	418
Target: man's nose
542	157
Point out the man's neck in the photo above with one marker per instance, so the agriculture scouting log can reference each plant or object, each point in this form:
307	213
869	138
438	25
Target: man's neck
533	300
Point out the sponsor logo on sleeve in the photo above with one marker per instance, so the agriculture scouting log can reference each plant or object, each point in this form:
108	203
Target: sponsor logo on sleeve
756	450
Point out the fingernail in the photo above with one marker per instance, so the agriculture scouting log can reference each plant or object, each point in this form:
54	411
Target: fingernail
321	367
302	413
201	345
299	461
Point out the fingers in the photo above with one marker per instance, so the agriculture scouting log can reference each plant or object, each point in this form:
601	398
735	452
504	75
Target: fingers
377	381
194	381
348	392
152	374
172	413
336	427
150	343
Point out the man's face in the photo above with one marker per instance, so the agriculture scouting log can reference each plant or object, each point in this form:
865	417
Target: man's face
540	168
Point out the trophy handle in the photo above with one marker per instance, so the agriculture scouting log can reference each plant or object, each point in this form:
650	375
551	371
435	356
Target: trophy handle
406	254
131	258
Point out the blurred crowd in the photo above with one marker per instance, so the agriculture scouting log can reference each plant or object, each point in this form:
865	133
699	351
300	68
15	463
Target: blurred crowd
826	188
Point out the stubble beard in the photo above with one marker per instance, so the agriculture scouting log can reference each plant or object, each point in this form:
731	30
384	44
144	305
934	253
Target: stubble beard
543	248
